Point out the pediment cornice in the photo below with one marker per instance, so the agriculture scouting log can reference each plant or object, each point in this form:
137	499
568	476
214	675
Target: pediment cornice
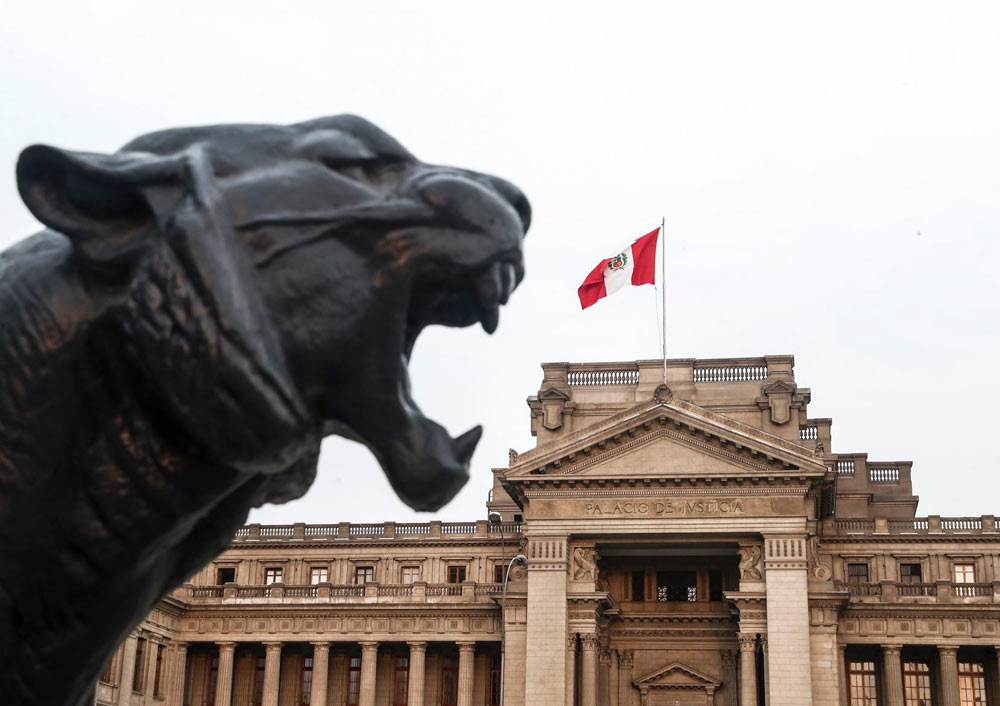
733	442
691	676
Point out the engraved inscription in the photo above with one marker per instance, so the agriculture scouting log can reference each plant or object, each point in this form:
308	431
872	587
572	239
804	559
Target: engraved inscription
658	508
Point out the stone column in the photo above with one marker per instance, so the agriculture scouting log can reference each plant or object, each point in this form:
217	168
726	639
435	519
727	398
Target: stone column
892	675
466	672
547	625
625	662
842	674
730	680
748	669
178	675
272	673
571	670
128	669
613	684
369	659
948	657
588	671
786	586
321	669
224	677
415	686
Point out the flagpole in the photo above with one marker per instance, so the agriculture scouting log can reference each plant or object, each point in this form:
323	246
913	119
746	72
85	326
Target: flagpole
663	290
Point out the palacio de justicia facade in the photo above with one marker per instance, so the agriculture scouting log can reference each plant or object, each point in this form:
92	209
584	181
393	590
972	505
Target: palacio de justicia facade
701	541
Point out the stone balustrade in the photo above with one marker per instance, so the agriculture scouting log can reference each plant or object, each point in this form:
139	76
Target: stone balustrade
933	524
326	593
301	532
928	592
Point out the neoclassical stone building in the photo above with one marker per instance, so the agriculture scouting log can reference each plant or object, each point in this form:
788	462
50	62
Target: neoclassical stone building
694	542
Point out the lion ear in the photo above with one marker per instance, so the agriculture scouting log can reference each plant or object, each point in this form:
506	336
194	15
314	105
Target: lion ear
99	201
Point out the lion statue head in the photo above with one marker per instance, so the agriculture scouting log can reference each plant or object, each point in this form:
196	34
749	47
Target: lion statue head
205	306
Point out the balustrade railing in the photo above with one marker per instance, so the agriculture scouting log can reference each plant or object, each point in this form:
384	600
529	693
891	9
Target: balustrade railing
810	433
370	530
883	474
411	529
861	589
962	523
276	531
845	467
603	377
916	589
968	590
732	373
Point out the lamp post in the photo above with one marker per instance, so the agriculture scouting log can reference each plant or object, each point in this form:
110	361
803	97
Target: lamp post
495	518
516	559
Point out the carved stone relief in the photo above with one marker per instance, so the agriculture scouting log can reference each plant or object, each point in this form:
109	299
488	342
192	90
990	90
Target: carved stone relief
750	563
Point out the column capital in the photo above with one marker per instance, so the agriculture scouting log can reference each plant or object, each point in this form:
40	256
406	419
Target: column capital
763	641
369	646
588	642
891	649
571	642
748	642
273	646
417	646
183	645
625	658
320	643
229	646
947	650
466	646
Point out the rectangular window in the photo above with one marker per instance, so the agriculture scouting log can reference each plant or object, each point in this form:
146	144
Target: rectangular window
157	675
364	574
353	681
272	574
213	678
108	677
857	573
917	684
861	680
258	681
676	586
971	684
910	573
319	574
409	574
307	680
402	677
449	682
715	585
964	573
638	586
498	572
493	683
224	575
456	574
139	673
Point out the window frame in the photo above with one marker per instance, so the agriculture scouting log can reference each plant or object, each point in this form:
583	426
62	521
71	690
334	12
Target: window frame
324	569
401	678
918	687
459	571
353	685
274	574
366	570
908	578
306	680
971	679
867	682
413	569
852	578
139	668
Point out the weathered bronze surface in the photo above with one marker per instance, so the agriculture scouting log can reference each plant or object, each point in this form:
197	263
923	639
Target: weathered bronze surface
205	306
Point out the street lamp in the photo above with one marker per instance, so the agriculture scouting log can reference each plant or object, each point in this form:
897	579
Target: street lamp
517	559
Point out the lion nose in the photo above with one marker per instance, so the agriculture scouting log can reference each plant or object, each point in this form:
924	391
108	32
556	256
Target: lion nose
515	197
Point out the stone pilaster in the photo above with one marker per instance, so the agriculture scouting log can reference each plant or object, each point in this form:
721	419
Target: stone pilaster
128	669
545	670
224	677
614	682
767	669
625	666
786	586
892	675
178	675
321	672
948	659
730	680
588	670
842	672
272	673
571	670
748	669
415	685
466	672
369	660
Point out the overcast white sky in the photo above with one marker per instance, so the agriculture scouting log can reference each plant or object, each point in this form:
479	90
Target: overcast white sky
830	175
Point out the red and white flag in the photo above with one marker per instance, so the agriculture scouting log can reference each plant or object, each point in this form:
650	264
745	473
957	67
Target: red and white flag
635	265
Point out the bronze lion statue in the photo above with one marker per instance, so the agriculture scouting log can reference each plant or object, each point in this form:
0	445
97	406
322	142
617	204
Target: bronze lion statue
205	305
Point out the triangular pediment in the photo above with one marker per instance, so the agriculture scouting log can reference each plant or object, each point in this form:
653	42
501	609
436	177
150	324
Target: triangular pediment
671	438
677	676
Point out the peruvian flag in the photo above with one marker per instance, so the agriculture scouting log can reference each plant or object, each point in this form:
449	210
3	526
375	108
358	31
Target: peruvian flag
635	265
